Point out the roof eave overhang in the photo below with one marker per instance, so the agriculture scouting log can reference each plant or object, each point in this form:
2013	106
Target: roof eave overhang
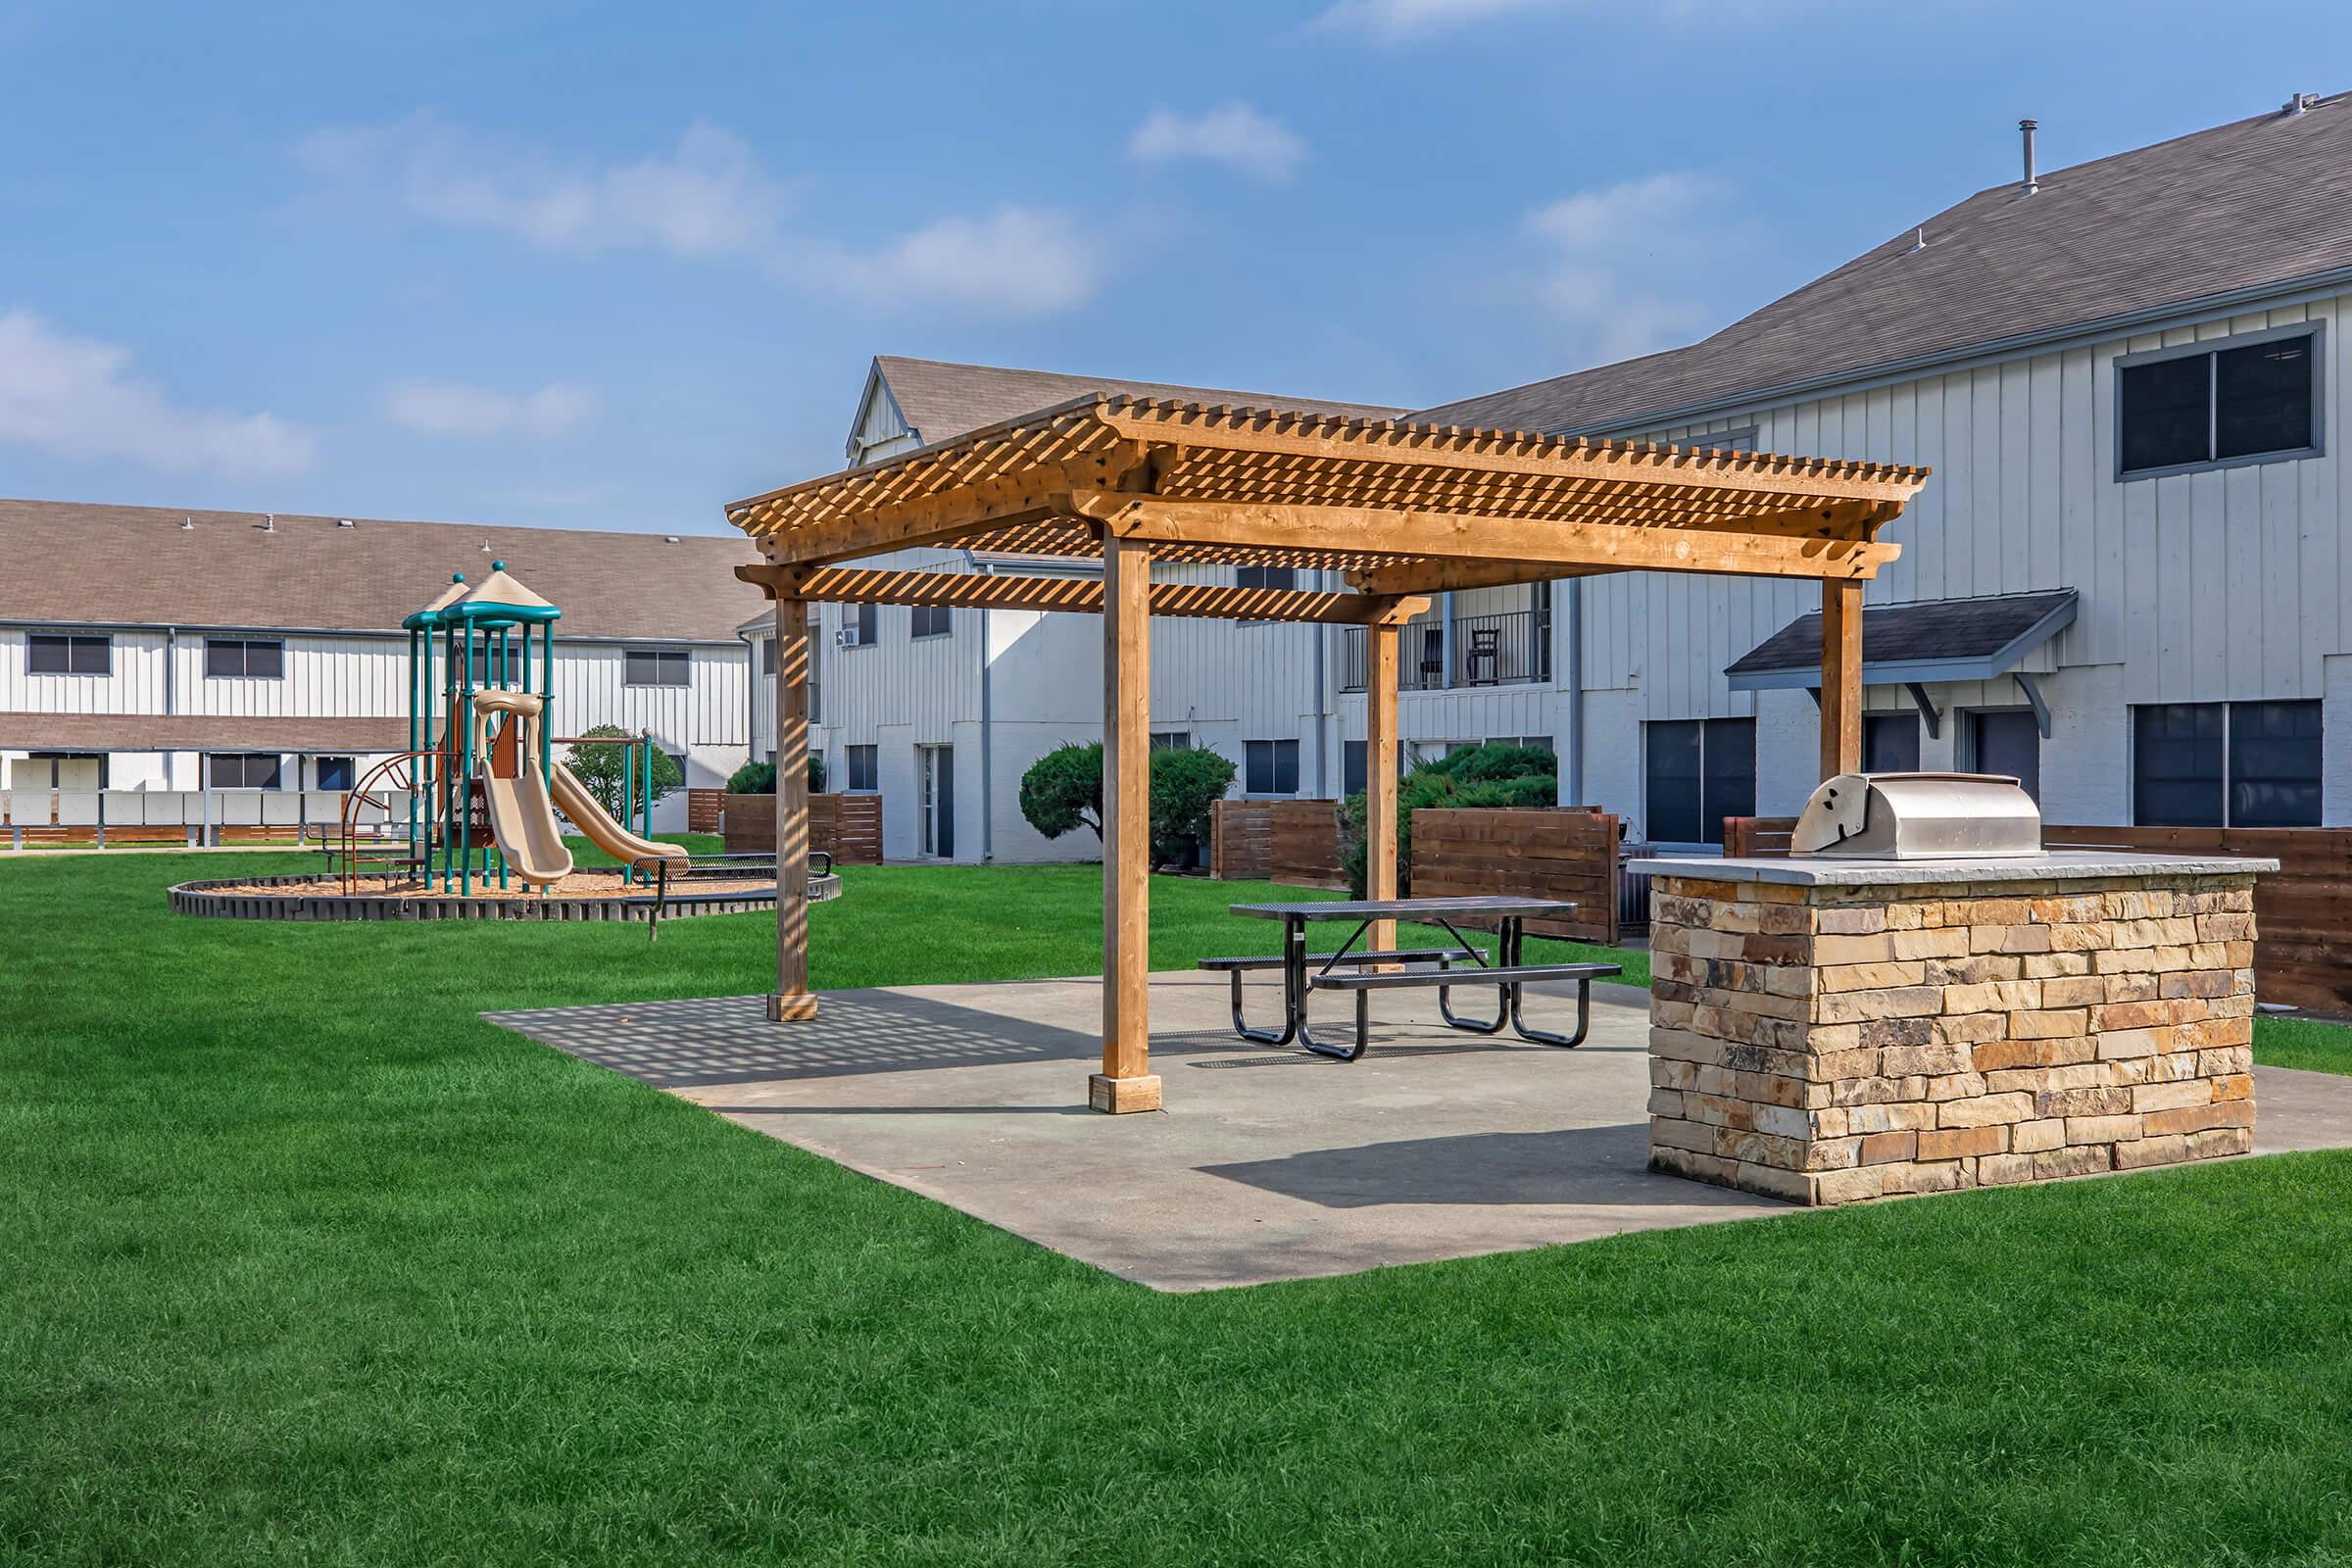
1904	673
2232	302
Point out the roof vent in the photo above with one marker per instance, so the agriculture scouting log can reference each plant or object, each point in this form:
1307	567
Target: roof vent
270	523
342	523
669	538
187	524
2300	103
485	547
2026	129
1919	243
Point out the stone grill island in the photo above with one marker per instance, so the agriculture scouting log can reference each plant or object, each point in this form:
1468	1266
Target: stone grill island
1838	1025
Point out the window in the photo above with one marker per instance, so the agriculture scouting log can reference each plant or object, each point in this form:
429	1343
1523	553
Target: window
859	627
2007	741
1171	740
768	655
1285	577
857	762
1533	743
657	667
1890	743
1354	773
932	620
486	670
231	657
331	773
2226	764
243	770
1271	768
1699	771
2236	402
68	653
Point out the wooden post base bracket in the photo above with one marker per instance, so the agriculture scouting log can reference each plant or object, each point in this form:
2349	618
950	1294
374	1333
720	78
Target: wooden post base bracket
1119	1095
790	1008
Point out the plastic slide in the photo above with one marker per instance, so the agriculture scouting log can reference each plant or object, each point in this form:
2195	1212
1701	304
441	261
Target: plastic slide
590	817
528	835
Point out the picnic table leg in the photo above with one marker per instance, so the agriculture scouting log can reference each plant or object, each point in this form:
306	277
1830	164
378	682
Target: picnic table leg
1544	1037
1294	990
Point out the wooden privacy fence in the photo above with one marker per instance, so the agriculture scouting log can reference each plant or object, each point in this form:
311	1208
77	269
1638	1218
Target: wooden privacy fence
1292	842
2302	913
849	827
702	807
1569	854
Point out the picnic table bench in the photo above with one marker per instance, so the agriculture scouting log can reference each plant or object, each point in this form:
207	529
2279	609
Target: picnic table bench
1365	971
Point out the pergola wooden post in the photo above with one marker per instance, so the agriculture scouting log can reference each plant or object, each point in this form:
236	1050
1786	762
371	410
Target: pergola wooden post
792	999
1401	511
1841	677
1126	1082
1379	773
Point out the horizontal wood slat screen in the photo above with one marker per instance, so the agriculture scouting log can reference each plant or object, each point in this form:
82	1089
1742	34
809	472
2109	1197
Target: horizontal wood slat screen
703	809
1295	843
2302	913
1569	854
849	827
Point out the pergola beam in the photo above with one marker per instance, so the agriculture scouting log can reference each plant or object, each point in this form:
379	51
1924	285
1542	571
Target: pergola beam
963	590
1458	536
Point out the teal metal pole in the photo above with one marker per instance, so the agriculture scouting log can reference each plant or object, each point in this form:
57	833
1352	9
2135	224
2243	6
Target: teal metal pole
547	700
466	794
414	634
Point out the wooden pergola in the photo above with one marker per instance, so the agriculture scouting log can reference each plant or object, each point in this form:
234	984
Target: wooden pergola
1399	510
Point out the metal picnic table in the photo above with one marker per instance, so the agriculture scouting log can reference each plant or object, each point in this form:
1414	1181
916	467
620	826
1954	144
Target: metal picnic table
1508	972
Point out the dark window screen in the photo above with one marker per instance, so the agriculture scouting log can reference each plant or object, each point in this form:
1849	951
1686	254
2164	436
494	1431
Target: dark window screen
1730	776
332	773
2177	764
2262	398
2166	416
859	762
2274	764
1271	768
2011	744
62	654
931	620
1890	743
1352	772
1673	805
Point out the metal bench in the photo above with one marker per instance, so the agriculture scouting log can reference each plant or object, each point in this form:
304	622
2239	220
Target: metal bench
1509	979
1254	964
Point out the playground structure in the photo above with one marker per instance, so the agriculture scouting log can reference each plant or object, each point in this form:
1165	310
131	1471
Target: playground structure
481	776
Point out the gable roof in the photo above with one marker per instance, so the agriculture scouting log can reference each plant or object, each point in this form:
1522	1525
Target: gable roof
2234	211
941	401
63	563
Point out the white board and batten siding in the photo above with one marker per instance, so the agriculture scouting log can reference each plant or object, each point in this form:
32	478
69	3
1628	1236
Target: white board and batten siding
135	684
2227	584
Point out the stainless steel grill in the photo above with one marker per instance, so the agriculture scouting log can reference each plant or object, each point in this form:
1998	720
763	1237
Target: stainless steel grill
1918	816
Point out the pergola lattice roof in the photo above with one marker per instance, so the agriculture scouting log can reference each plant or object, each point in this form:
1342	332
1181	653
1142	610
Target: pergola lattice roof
1399	507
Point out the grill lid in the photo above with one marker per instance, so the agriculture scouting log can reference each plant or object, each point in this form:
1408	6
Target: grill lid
1915	817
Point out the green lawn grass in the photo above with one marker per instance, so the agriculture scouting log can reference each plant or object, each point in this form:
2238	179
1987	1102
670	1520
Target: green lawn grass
303	1262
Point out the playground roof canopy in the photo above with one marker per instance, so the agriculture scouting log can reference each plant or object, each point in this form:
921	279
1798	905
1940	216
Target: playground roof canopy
1400	509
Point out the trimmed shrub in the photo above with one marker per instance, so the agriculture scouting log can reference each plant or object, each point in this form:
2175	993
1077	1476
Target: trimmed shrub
753	778
1062	792
1475	777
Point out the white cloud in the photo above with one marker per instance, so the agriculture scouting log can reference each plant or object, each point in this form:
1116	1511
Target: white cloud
443	408
1397	20
1016	261
1232	133
75	397
708	198
1626	262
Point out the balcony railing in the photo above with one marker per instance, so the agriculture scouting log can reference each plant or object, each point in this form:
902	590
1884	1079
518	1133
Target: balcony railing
1510	649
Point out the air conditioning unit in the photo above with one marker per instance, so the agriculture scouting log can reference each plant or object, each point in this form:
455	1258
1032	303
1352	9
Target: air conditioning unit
847	637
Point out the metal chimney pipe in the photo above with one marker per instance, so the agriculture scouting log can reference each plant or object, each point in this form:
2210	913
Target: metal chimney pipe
2027	128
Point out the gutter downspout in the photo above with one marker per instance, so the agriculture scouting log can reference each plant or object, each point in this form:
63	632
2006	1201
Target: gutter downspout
171	663
1574	779
988	769
1322	714
751	693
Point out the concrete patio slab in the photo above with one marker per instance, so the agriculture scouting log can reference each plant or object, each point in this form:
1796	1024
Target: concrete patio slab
1267	1164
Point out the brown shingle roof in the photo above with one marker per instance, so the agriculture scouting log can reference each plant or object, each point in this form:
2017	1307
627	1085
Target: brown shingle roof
2259	204
941	401
67	561
198	732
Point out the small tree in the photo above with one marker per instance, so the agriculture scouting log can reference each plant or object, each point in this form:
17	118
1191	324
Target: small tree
1185	784
1063	790
602	770
753	778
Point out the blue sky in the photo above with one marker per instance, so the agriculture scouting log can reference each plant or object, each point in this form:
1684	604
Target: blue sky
612	267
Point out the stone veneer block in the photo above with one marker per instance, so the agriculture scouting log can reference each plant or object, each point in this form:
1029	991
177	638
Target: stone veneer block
1828	1031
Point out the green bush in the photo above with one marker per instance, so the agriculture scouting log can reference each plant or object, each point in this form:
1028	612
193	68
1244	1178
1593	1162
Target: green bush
1062	792
1185	784
1475	777
602	770
760	778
